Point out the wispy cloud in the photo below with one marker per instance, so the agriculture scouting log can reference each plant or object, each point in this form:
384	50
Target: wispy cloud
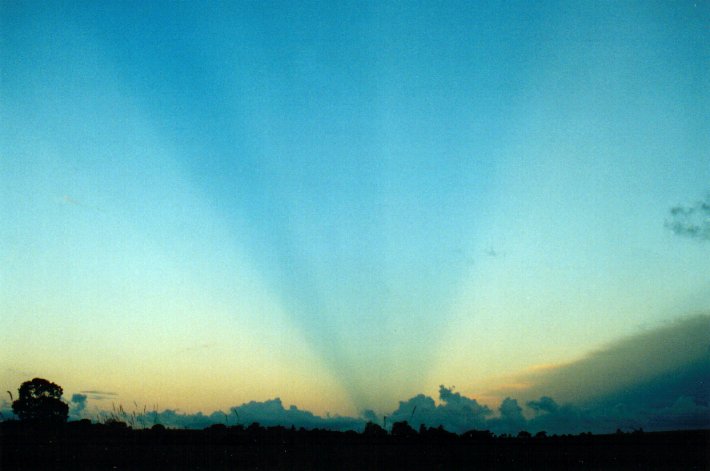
100	395
68	200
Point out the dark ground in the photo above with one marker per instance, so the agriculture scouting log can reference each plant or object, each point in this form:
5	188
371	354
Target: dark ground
86	446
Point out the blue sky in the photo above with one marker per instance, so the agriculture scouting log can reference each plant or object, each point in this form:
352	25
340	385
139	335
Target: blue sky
343	204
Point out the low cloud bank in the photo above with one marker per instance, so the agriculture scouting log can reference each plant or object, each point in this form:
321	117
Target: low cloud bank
272	412
459	414
267	413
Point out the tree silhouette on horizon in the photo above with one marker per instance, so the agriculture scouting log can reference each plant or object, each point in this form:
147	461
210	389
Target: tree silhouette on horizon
40	401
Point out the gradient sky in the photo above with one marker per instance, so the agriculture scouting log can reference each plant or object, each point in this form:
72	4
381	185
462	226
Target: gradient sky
343	204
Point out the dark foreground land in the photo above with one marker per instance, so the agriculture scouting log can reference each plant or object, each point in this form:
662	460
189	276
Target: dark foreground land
82	445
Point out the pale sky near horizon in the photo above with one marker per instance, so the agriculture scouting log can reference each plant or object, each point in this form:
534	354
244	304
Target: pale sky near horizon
342	203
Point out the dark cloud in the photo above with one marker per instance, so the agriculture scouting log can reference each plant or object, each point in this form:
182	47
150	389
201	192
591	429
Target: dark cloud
656	380
545	404
690	380
685	413
572	418
691	221
650	364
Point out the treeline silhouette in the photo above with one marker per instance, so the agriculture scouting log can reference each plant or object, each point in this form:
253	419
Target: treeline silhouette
115	445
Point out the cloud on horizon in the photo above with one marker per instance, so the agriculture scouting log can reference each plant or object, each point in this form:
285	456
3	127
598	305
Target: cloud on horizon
685	412
267	413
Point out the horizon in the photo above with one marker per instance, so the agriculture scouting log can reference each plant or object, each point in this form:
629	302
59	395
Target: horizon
627	404
360	208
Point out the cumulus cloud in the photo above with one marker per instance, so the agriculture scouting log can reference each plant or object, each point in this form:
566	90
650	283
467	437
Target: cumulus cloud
455	412
691	221
266	413
369	415
77	406
510	419
272	412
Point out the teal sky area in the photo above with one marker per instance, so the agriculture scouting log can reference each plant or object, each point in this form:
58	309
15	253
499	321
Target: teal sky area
343	204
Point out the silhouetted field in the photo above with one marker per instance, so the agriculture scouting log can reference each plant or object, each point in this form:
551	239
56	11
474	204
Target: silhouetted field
83	445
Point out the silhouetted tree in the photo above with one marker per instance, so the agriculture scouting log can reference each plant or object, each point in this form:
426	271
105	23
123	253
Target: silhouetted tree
438	434
478	435
374	430
402	429
116	424
40	401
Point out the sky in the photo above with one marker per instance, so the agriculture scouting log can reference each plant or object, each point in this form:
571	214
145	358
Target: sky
338	206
